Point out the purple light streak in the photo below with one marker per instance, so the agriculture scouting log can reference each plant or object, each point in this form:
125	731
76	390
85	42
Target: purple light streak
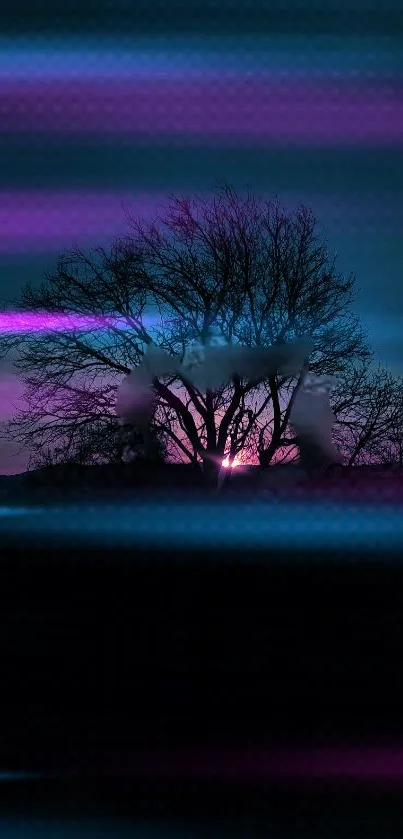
45	321
367	765
51	220
242	110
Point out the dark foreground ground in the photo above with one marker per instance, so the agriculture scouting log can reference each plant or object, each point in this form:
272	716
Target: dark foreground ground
248	687
125	481
166	698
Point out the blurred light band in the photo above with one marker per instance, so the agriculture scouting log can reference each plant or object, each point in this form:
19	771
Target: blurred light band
19	322
49	220
258	524
238	111
338	763
42	221
280	56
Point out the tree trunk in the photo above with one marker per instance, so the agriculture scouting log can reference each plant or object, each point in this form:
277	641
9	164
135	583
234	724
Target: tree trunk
211	468
266	456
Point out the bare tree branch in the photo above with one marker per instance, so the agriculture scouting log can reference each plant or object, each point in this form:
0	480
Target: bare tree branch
260	274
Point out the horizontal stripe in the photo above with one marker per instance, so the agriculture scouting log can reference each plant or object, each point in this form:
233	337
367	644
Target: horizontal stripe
185	16
258	525
331	114
359	764
39	161
88	58
49	220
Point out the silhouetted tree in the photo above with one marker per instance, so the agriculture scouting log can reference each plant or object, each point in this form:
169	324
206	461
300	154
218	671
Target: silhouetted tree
367	403
368	406
95	444
249	268
390	452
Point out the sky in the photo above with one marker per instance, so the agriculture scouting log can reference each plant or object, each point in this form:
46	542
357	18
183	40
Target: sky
124	107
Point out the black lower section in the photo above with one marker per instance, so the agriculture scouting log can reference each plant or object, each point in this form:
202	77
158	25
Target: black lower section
95	809
107	657
161	651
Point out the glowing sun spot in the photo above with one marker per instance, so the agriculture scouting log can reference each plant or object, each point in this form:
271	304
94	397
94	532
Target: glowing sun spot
232	465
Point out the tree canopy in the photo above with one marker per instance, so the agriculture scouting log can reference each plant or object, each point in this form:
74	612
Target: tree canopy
257	273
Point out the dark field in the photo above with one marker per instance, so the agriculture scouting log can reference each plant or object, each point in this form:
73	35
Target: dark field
69	482
181	662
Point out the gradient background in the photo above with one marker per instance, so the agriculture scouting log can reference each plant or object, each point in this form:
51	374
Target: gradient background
122	103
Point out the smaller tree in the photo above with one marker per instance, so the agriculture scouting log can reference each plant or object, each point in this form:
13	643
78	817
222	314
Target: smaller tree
367	404
98	444
388	449
391	453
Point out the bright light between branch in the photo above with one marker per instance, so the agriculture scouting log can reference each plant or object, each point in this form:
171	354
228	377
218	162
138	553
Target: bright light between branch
232	465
